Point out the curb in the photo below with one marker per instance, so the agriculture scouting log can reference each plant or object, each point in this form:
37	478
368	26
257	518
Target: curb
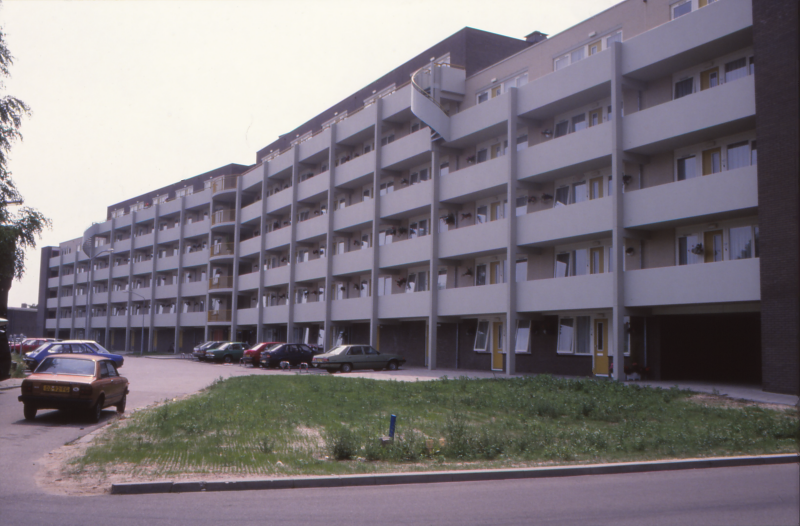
139	488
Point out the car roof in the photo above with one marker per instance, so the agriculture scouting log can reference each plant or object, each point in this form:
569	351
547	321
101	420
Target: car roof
92	357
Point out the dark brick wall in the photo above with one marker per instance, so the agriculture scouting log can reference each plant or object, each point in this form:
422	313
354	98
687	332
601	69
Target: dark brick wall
544	358
775	32
406	339
713	347
358	333
446	337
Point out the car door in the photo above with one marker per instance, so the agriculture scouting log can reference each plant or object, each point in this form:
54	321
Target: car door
356	357
105	383
305	353
373	359
116	386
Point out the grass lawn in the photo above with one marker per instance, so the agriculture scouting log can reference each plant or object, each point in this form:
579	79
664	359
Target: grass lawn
322	424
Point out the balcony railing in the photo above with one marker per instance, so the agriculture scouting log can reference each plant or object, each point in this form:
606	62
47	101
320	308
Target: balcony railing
219	315
223	216
221	282
222	249
226	182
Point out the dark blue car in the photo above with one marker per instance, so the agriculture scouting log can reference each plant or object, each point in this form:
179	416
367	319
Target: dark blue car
33	358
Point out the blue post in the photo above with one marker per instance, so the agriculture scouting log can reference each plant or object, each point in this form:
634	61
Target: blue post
391	426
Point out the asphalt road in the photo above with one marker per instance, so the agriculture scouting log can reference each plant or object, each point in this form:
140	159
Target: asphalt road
730	496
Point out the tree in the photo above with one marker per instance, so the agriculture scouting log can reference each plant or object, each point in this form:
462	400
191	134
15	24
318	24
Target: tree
20	226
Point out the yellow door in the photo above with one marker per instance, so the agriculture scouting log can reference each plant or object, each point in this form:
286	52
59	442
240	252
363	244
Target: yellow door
595	117
601	347
497	346
496	150
596	188
597	264
497	211
712	246
594	48
496	91
709	78
712	162
494	272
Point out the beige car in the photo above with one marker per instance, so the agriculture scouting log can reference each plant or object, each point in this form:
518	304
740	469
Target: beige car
74	381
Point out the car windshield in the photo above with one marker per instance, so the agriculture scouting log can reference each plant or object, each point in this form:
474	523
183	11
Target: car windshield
42	347
215	345
64	365
342	349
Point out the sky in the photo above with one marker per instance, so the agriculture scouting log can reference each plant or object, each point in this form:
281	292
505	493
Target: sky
129	96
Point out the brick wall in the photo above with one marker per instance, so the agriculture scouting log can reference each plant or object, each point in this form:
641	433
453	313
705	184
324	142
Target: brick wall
406	339
775	32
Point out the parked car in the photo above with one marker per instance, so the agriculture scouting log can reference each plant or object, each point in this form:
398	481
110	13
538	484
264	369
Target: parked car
294	353
346	358
74	381
199	352
33	358
227	352
253	354
31	344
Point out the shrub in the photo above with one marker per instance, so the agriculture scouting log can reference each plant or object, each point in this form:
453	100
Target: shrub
342	444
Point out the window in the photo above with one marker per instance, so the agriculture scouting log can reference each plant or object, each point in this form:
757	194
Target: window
522	340
415	127
522	142
580	262
562	265
579	193
562	128
387	188
576	55
482	155
444	169
686	168
616	37
712	161
681	8
384	286
561	63
582	338
741	242
566	333
684	87
365	242
441	282
387	140
482	336
736	69
562	197
753	154
480	275
522	270
483	97
522	205
579	122
364	292
481	214
688	250
738	155
574	335
366	195
752	65
709	79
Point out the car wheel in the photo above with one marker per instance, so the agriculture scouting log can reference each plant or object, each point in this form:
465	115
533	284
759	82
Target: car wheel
346	368
97	410
121	405
227	358
29	411
391	366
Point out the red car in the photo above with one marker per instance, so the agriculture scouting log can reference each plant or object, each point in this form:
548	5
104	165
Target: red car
253	354
31	344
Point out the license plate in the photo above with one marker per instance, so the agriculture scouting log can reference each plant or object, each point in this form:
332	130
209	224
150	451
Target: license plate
55	388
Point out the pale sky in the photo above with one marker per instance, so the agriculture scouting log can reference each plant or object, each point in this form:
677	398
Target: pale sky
131	96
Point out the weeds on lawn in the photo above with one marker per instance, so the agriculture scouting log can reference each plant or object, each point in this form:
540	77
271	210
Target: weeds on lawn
315	424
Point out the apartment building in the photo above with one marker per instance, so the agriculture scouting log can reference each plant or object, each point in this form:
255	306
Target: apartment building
580	204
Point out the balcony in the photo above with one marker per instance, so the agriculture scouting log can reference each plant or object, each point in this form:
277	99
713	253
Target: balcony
52	303
219	282
167	292
52	282
119	296
405	202
253	178
50	323
409	151
406	305
69	280
143	267
314	188
169	235
194	288
251	212
479	122
355	172
197	199
122	246
474	241
222	217
354	262
167	263
353	217
250	247
196	258
100	298
397	102
276	276
572	223
310	228
249	281
170	207
99	321
101	274
117	271
222	250
699	199
118	322
702	283
309	312
224	184
581	151
276	314
481	300
717	112
594	291
215	316
315	144
356	123
143	241
310	270
197	228
247	316
475	182
351	309
278	238
281	162
406	253
193	319
55	261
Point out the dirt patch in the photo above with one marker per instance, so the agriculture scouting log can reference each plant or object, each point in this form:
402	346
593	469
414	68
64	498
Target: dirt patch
710	400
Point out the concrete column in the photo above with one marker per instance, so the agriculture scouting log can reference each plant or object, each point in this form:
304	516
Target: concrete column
261	271
293	242
433	281
75	281
179	297
617	231
511	240
58	295
376	221
206	327
237	207
152	313
329	239
129	317
110	282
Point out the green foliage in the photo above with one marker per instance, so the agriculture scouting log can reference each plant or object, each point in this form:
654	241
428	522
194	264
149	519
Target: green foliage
248	424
